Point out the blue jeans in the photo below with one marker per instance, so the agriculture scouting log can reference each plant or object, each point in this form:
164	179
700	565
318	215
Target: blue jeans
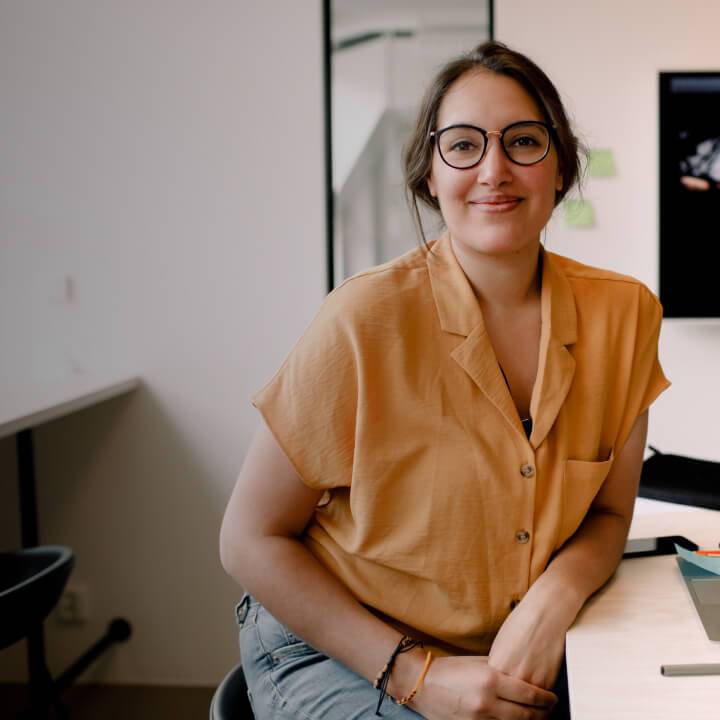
288	679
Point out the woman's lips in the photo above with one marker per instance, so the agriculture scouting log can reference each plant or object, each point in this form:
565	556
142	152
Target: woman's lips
497	206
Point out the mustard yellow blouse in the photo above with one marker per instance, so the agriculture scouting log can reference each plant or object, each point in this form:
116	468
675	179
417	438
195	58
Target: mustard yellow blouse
439	512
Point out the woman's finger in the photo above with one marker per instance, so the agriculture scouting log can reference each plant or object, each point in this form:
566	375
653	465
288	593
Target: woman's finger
505	710
518	691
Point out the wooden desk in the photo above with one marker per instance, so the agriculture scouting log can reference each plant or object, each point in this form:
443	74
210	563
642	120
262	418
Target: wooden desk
642	619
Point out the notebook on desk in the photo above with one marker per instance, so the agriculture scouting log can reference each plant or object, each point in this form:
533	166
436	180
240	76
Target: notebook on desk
704	587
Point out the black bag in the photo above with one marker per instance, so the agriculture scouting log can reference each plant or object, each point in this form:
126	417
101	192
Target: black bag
679	479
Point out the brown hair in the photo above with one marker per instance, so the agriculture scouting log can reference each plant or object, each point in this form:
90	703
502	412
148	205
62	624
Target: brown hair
497	58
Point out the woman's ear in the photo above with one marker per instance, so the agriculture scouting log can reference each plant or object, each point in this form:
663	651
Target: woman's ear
431	186
559	181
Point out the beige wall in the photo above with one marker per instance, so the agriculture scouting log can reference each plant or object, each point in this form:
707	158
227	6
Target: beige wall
168	156
604	57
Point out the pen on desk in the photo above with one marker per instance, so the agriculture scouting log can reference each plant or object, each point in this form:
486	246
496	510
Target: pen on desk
700	669
709	553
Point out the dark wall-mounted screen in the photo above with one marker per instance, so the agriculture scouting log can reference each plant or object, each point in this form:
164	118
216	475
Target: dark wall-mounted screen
690	194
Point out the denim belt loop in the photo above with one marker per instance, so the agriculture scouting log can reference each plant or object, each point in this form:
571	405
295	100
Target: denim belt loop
242	608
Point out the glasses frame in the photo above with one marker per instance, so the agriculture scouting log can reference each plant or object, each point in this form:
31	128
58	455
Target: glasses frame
435	137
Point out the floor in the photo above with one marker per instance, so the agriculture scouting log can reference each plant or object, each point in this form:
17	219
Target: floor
119	702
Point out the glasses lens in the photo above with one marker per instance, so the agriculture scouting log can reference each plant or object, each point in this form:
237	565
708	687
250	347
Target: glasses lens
526	143
461	147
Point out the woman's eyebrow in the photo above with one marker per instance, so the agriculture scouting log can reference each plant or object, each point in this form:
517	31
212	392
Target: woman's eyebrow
524	118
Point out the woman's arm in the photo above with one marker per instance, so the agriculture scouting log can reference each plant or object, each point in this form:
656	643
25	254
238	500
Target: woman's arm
260	548
531	642
268	510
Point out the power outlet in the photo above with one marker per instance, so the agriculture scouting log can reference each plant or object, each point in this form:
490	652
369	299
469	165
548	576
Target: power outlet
73	607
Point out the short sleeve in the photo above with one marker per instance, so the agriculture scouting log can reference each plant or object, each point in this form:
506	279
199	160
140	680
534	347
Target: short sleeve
646	378
310	403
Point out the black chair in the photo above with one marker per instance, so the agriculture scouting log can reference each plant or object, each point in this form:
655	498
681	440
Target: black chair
230	701
31	583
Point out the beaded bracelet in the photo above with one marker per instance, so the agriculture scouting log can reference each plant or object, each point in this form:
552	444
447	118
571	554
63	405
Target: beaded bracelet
405	700
381	681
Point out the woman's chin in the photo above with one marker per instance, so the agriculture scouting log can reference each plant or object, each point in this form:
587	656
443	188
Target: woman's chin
490	243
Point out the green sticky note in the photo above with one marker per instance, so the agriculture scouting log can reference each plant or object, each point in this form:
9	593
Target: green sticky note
579	213
601	163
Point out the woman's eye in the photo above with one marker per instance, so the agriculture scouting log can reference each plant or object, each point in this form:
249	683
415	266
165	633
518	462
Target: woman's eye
524	141
462	146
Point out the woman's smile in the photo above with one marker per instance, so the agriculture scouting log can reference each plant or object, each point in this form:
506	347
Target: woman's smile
496	203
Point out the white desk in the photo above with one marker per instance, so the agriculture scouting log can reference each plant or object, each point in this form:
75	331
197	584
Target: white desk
642	619
21	409
25	407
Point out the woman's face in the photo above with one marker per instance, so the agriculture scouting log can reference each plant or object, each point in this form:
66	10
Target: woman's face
496	207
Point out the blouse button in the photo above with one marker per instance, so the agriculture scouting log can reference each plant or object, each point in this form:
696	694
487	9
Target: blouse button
527	470
522	536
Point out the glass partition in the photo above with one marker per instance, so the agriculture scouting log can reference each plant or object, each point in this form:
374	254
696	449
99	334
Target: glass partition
383	54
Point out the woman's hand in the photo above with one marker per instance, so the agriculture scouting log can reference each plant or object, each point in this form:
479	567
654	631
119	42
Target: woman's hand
531	642
526	651
468	688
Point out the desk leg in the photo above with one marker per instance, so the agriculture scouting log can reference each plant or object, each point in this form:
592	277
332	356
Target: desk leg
37	669
28	497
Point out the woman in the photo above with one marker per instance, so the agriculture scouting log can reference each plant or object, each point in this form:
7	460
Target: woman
451	452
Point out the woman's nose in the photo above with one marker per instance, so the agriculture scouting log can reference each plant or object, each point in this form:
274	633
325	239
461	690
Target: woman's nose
495	167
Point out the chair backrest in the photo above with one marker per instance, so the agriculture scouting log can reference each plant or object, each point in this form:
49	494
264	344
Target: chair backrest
230	701
31	582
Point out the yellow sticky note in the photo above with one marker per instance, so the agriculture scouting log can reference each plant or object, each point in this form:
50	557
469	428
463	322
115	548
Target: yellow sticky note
579	213
601	163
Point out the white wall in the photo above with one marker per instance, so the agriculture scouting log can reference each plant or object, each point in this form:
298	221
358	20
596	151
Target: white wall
604	57
168	157
139	156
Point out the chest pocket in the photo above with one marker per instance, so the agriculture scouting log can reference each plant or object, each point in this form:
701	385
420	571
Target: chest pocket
581	482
